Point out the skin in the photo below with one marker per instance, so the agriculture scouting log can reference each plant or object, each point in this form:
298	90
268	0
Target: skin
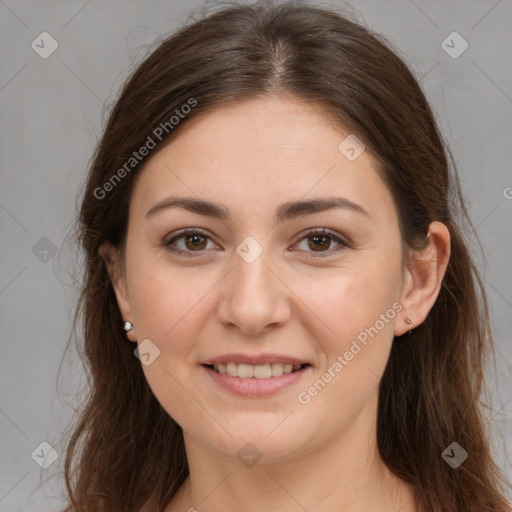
252	157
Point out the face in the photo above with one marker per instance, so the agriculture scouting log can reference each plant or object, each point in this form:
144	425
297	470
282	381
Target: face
261	284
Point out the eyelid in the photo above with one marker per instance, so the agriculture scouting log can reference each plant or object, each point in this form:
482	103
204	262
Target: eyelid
340	239
334	235
182	233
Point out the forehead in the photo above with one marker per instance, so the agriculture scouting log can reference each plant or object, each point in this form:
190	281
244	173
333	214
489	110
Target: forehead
258	152
275	127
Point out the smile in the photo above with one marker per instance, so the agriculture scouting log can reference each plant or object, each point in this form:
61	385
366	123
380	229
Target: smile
260	371
255	381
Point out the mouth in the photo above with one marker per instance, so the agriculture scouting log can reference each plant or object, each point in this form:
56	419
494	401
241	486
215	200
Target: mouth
259	371
256	380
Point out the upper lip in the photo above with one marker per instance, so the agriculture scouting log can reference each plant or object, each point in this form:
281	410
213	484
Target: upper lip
254	360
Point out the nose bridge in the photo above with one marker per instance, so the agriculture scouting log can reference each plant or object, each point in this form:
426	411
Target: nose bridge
252	275
254	297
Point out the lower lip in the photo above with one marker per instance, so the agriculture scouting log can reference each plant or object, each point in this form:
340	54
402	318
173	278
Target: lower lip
253	387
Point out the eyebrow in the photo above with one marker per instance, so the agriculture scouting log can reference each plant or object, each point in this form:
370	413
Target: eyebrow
284	212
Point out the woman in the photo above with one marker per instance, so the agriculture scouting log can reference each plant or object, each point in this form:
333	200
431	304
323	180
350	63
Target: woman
279	308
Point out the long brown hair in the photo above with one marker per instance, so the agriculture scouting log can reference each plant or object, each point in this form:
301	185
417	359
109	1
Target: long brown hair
125	452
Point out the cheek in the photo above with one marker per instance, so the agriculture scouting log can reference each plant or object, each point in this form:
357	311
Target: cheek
165	299
169	307
347	302
353	328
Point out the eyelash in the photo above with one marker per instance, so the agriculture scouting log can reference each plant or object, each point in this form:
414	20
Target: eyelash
310	234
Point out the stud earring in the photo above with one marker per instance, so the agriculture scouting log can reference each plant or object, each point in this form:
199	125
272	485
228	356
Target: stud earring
408	321
128	326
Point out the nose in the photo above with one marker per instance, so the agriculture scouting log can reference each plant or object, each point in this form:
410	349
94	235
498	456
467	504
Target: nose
254	297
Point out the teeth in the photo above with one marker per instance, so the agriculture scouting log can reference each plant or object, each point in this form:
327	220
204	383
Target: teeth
231	369
245	371
259	371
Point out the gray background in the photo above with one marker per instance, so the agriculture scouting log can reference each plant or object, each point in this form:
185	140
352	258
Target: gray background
52	115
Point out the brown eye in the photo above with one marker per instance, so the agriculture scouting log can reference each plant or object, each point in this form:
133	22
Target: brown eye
320	241
187	242
194	242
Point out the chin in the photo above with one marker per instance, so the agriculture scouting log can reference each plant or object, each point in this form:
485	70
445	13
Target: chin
249	445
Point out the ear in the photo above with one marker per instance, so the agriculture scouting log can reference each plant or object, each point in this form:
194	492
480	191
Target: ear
423	278
116	271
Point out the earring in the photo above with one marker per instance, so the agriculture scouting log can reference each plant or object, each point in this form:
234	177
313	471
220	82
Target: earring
408	321
128	326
